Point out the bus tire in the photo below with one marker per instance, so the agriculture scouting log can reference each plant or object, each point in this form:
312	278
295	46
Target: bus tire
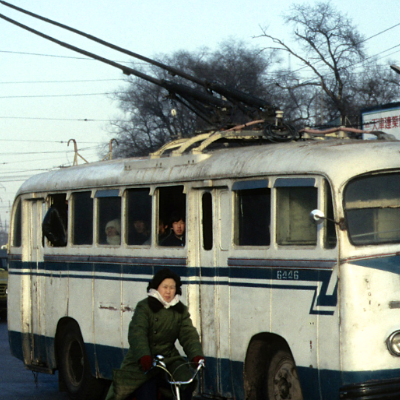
75	369
281	380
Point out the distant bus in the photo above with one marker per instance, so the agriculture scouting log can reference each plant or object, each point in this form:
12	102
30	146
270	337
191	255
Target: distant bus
288	306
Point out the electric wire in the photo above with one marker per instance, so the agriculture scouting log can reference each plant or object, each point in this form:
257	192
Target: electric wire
63	81
56	95
58	119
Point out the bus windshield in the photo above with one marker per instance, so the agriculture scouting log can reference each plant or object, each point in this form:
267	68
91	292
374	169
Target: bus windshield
372	209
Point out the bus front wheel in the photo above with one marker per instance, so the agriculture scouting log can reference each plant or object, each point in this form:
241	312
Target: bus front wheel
74	368
281	381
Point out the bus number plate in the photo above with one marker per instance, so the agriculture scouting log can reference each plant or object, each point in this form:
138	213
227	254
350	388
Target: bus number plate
287	275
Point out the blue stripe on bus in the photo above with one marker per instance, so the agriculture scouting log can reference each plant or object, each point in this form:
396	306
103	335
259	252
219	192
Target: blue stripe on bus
390	263
317	280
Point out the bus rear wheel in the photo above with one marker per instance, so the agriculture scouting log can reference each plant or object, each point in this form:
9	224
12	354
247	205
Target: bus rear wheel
75	370
281	381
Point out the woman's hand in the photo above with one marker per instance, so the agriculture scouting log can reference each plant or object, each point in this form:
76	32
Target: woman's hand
146	362
197	359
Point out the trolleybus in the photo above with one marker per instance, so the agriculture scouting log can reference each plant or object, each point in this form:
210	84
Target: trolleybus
287	305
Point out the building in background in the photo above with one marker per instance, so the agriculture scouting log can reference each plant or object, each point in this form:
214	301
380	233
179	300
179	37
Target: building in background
385	118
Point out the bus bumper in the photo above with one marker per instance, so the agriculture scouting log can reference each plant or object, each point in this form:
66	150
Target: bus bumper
388	389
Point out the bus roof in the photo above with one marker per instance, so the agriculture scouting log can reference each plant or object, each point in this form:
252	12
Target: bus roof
339	160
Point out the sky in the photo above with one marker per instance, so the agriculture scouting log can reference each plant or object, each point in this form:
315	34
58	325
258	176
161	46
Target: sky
49	94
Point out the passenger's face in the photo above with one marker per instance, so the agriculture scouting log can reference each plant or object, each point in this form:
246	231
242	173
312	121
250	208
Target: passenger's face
162	228
139	226
111	231
167	289
178	227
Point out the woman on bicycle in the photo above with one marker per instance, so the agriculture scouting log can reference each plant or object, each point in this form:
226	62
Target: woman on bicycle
158	321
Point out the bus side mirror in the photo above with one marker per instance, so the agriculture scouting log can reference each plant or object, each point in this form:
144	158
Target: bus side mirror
317	216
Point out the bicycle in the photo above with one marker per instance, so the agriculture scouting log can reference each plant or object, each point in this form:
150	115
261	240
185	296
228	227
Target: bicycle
158	362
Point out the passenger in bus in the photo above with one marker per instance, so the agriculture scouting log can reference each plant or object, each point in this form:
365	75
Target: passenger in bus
158	321
141	232
162	230
54	226
113	232
177	235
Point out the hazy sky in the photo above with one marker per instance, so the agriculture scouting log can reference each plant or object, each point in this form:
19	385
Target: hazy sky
47	92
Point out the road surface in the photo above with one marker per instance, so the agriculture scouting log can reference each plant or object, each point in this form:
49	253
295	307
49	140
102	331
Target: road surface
17	383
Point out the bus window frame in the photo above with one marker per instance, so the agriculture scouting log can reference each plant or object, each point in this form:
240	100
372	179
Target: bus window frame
17	208
46	206
324	189
72	213
246	185
185	193
98	195
124	216
347	209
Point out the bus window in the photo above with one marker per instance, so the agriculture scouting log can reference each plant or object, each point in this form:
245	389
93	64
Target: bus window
293	223
108	217
253	217
55	222
17	226
207	222
372	209
138	217
172	211
82	231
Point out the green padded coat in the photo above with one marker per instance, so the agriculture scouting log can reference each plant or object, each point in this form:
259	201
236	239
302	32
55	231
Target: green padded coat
153	331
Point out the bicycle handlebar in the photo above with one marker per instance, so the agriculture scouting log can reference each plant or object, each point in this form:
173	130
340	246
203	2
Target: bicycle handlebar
159	363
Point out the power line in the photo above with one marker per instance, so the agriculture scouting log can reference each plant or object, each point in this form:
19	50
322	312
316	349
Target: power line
57	95
45	141
31	160
50	152
58	119
45	55
380	33
64	81
57	56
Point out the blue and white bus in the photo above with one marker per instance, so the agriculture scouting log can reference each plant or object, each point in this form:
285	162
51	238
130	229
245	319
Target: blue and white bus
287	306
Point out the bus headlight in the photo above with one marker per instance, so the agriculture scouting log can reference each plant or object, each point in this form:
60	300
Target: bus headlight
393	343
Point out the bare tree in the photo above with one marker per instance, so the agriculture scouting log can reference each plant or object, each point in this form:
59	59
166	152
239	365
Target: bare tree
375	84
329	46
149	123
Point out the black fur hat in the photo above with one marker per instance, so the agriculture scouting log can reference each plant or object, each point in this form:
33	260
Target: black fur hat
162	274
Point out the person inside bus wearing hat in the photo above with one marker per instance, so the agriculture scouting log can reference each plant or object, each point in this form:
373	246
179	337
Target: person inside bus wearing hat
113	232
158	321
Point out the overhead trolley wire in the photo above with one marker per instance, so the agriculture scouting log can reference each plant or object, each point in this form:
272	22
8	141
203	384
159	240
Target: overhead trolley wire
93	38
197	101
124	69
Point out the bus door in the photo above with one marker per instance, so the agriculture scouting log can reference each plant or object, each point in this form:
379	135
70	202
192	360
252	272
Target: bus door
214	238
37	284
